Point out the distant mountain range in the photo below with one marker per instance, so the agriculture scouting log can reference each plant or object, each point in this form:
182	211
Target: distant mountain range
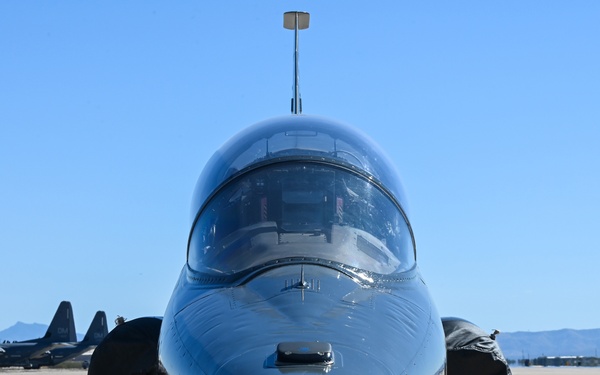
514	345
26	331
564	342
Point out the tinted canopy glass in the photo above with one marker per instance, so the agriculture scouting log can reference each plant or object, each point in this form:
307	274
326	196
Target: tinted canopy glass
297	137
300	210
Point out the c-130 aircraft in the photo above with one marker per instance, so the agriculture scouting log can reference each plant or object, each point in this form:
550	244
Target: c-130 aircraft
301	259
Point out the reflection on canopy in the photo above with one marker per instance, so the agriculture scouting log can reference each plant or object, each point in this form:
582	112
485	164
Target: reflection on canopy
308	210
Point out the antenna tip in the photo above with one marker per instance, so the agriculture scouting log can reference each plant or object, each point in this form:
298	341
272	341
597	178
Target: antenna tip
289	20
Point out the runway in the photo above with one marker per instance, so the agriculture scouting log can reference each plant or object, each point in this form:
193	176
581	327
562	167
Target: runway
44	371
515	371
555	370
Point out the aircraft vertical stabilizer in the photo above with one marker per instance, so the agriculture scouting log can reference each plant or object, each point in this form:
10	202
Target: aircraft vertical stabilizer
98	329
62	327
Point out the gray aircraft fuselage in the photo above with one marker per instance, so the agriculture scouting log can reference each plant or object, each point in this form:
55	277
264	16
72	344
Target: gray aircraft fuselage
300	260
17	354
391	328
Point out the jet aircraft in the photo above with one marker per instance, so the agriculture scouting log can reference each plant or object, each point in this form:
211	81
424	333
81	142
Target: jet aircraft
301	259
61	330
95	334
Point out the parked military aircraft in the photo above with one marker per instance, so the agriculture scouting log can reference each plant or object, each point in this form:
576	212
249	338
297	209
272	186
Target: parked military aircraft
95	334
300	259
61	330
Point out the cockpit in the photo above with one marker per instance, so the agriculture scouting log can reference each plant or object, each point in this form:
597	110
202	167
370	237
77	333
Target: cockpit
299	189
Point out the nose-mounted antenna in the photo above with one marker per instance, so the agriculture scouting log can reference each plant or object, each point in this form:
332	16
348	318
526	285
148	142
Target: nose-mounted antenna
296	21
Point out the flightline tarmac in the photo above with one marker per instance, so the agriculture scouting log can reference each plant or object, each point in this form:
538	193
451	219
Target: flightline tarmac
515	371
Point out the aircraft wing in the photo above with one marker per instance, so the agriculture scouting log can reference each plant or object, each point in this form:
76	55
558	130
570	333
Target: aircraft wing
45	350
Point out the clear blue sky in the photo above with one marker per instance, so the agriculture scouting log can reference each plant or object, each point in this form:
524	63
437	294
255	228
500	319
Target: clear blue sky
491	111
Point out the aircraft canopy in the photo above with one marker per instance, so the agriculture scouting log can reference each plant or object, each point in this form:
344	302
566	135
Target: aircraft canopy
295	137
300	210
299	189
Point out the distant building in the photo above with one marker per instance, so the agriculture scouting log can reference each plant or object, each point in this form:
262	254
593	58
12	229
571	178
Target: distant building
558	361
